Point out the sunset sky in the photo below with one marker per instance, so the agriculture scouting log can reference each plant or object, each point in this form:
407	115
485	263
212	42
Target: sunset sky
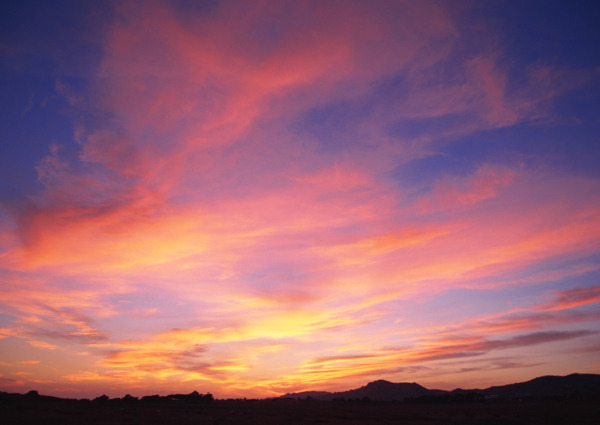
250	198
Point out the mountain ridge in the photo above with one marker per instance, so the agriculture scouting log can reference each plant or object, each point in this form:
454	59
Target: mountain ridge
549	386
573	386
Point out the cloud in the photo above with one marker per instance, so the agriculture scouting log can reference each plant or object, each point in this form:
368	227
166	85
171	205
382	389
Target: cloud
181	127
453	192
473	340
555	313
447	349
30	362
235	176
574	298
391	360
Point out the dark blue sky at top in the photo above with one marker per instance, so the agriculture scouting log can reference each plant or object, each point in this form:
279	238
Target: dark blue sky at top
557	31
43	45
560	34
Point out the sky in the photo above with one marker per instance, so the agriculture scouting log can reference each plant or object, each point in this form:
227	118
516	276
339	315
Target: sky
251	198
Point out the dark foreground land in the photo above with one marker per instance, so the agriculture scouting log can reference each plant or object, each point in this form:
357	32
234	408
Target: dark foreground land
47	411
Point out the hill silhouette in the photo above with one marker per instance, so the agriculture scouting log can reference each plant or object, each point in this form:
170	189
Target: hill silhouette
549	387
574	385
376	390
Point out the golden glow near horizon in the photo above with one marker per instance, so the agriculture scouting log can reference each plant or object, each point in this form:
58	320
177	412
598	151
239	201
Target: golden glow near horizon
289	196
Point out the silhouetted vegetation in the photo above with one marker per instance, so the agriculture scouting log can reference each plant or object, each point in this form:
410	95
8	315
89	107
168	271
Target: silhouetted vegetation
574	399
152	410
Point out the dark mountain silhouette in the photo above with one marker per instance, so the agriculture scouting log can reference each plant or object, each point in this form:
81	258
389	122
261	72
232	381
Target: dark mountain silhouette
548	387
575	385
315	395
386	391
549	400
377	390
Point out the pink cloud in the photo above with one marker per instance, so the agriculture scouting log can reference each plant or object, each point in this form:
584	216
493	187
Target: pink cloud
574	298
491	84
452	192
